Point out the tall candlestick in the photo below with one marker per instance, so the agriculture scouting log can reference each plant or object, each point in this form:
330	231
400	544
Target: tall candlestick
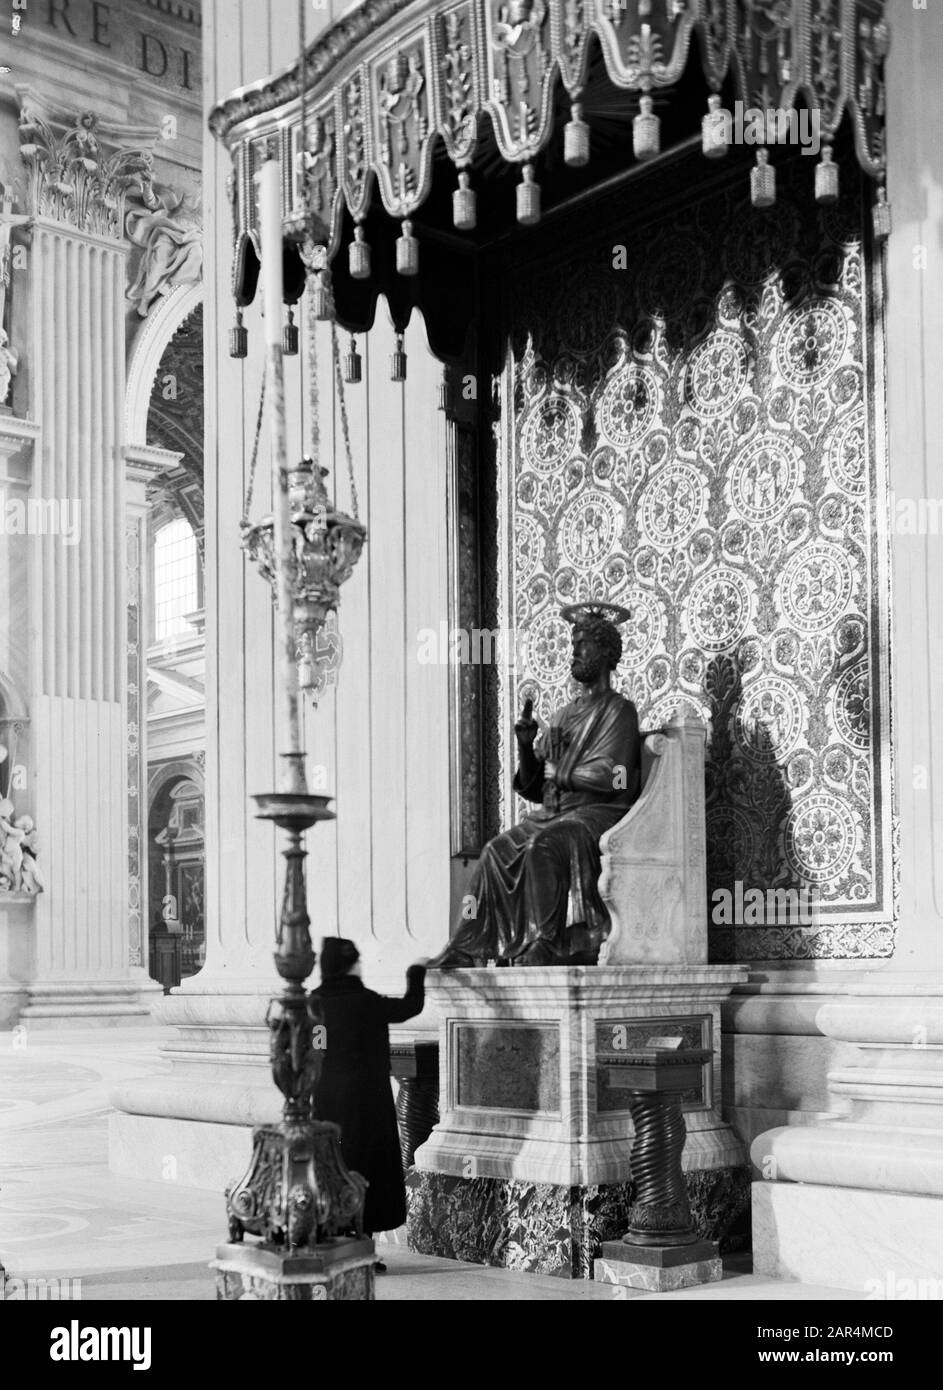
292	777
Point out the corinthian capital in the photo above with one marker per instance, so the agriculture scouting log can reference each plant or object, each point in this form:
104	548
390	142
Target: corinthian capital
78	170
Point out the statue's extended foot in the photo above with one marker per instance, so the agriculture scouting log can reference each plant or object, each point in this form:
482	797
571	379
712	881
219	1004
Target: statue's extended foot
452	959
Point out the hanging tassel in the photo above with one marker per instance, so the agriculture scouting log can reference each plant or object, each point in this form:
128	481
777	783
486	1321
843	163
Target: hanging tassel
714	129
407	251
528	198
358	254
576	138
322	299
762	181
646	138
238	338
398	361
353	364
826	178
881	215
290	335
464	204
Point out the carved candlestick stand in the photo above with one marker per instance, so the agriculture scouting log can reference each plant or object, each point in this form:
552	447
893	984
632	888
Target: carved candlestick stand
297	1194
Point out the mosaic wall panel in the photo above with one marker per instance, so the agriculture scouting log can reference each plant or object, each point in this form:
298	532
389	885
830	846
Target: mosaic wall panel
698	437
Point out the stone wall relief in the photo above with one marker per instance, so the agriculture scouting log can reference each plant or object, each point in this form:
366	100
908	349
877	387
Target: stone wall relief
10	220
165	228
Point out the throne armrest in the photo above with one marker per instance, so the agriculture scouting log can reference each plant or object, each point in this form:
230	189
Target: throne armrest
654	879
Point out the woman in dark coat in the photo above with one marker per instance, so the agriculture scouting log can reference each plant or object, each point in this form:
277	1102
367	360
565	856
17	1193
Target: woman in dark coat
354	1090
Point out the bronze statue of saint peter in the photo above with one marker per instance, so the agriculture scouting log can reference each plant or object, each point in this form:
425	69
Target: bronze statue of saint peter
534	890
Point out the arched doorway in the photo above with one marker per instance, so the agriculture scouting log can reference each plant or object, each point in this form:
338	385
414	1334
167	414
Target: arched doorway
176	868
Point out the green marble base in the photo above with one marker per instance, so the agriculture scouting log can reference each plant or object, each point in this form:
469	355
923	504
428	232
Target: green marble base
540	1228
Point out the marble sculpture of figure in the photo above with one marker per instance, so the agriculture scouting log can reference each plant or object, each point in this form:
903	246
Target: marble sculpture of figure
18	869
535	894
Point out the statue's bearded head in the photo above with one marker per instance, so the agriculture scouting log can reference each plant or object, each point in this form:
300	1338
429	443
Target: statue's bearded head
597	647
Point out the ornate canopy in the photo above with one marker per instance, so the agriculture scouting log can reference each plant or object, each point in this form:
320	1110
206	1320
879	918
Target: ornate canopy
556	95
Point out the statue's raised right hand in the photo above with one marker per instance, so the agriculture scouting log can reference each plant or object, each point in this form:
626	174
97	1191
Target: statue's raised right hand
526	727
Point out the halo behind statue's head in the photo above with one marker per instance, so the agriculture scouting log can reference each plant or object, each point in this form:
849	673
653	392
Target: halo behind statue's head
598	621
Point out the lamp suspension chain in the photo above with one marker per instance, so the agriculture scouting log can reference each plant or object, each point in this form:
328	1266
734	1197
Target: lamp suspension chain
247	507
345	427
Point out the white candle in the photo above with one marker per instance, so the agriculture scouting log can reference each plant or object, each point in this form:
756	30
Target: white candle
286	675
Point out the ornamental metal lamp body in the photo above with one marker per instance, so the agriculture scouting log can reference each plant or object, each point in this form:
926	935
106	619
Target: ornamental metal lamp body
325	547
297	1195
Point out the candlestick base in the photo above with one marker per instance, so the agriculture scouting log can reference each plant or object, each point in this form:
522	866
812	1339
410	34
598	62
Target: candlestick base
340	1272
297	1192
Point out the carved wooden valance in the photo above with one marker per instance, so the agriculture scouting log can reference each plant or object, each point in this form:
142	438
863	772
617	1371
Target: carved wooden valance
399	89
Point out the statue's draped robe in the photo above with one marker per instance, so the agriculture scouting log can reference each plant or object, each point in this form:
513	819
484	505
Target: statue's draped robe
538	880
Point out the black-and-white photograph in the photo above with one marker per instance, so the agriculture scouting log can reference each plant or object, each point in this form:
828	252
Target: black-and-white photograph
471	507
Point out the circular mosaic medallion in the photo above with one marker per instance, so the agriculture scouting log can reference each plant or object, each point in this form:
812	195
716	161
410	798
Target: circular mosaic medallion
820	837
816	587
719	609
628	405
853	706
589	530
716	374
528	547
769	721
845	455
642	630
671	505
764	477
550	647
811	343
730	845
550	433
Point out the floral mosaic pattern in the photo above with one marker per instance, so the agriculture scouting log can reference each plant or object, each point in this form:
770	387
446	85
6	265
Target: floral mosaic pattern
697	441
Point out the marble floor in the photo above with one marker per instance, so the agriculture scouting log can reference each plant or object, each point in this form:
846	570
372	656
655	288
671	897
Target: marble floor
63	1215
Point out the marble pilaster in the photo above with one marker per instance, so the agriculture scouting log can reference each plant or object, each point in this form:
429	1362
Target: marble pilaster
856	1199
81	949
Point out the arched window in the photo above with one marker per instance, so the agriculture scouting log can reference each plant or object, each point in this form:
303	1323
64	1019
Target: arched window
176	584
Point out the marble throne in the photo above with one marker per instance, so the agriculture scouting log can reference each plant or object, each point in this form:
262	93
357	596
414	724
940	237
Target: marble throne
654	874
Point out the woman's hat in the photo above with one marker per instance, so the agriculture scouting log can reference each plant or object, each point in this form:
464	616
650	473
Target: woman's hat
337	956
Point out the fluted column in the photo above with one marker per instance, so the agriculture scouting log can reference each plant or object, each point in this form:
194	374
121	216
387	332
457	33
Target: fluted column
82	948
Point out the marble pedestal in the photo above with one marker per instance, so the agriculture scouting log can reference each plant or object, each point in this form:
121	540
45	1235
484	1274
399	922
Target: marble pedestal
660	1269
341	1271
528	1167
